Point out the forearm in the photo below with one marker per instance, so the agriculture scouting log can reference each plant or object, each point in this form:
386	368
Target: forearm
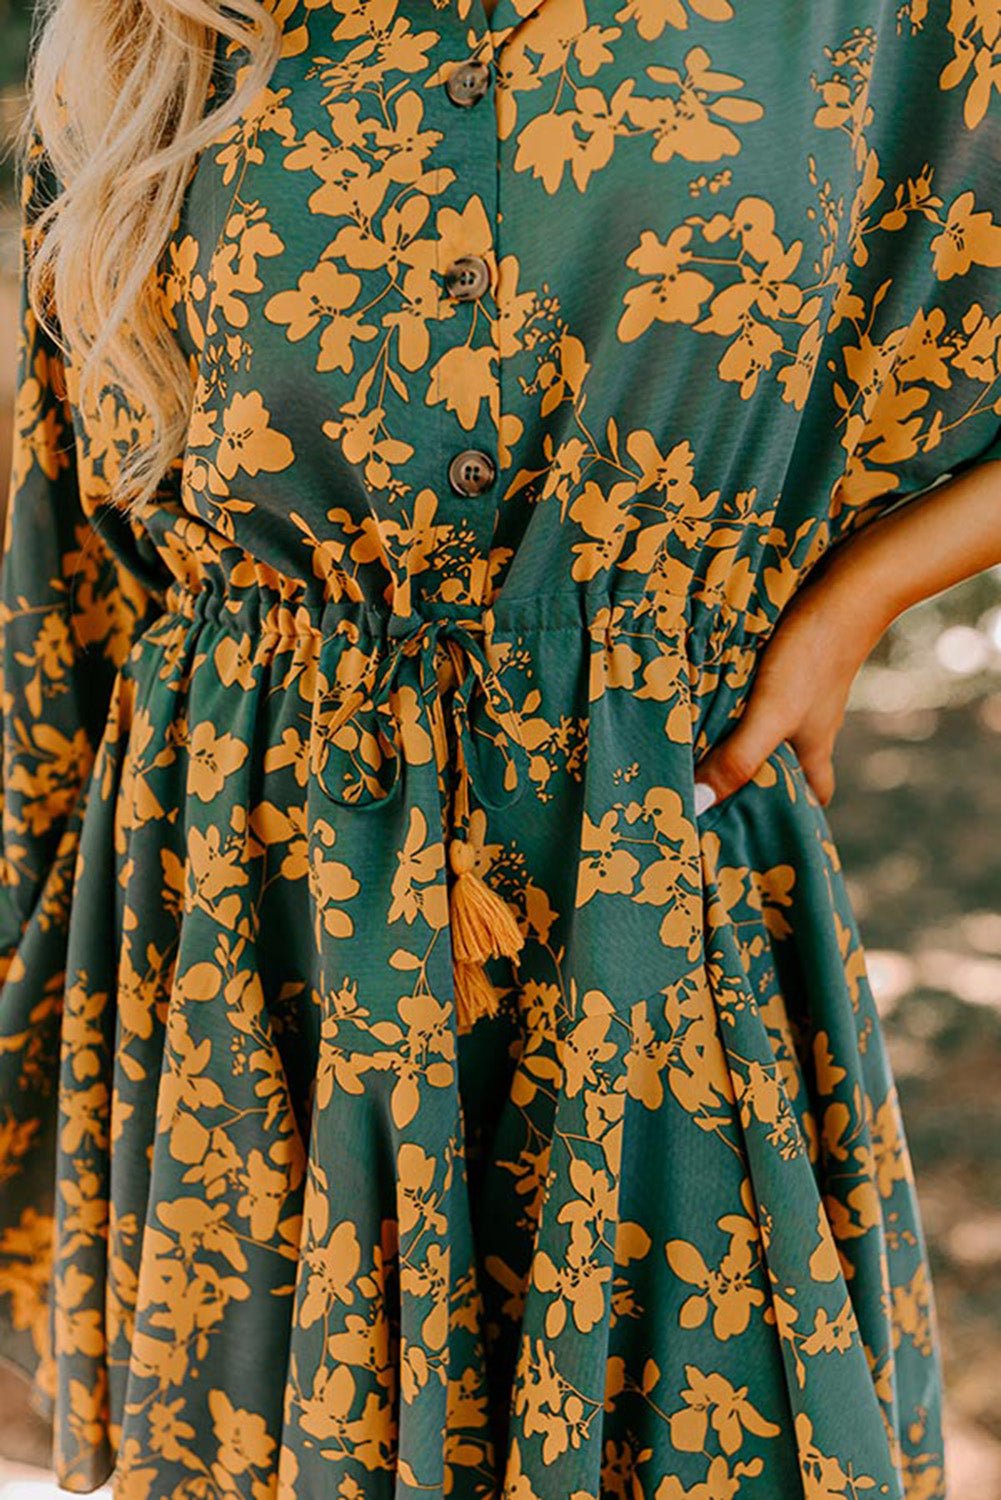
934	541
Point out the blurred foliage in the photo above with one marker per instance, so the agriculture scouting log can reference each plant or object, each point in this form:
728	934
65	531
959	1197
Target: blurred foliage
916	816
15	20
15	27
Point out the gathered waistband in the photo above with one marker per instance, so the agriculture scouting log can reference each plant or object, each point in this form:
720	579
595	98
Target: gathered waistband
261	611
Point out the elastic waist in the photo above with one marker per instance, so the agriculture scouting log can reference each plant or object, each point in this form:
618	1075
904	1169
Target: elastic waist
261	611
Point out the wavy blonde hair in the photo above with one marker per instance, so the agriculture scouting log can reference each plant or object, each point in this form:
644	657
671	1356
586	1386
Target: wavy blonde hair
117	93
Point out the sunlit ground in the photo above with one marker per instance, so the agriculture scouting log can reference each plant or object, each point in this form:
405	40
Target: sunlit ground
25	1484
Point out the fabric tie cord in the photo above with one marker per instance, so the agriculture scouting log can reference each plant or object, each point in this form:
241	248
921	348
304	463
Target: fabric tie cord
483	925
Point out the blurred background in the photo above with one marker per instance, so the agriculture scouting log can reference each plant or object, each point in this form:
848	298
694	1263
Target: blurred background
917	817
14	28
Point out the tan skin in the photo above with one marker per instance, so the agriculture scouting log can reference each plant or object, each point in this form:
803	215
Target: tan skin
805	671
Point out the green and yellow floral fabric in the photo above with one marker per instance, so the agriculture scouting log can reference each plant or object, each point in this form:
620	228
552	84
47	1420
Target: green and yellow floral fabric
272	1223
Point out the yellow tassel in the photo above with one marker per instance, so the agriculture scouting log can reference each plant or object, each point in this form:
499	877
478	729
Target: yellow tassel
475	996
483	926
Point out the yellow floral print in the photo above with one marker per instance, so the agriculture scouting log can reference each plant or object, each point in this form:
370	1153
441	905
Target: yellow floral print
277	1221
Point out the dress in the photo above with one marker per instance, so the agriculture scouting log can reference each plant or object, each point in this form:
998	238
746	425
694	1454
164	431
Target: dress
649	1229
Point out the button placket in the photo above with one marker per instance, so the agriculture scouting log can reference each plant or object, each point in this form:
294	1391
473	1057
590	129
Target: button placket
472	471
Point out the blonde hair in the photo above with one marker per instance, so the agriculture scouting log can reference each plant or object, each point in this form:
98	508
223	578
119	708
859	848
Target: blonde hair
117	92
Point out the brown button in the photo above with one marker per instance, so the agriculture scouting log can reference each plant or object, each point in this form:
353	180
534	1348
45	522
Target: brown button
467	278
471	472
468	82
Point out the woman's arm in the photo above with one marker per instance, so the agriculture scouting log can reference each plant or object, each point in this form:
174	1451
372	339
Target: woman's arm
803	679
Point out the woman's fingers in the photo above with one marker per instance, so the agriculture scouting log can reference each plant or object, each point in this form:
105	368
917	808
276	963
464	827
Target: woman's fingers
734	760
818	769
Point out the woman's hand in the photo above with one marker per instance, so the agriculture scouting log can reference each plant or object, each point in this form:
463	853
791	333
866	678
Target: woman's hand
799	691
805	672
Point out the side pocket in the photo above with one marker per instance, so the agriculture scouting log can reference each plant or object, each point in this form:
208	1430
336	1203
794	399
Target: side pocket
780	770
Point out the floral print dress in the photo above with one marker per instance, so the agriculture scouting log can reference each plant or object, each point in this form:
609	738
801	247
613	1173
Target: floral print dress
402	1091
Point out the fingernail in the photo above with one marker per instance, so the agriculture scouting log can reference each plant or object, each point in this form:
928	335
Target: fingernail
705	796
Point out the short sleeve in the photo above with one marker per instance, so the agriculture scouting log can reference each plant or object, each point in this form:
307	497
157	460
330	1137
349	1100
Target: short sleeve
69	612
917	317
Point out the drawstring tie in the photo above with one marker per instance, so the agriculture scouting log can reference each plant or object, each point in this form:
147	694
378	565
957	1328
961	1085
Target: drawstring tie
483	925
